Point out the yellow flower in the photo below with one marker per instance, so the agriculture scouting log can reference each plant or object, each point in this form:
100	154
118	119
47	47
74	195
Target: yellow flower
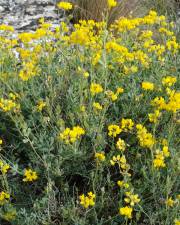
5	27
64	5
4	197
71	135
158	162
127	124
80	37
100	156
146	139
166	152
148	86
130	70
112	3
112	95
115	159
87	201
131	198
176	222
97	106
122	184
169	81
170	202
153	117
8	104
164	142
41	105
86	74
172	45
1	141
95	88
174	103
121	145
28	71
121	161
178	197
12	96
119	90
30	175
159	102
83	108
9	216
4	167
114	130
126	211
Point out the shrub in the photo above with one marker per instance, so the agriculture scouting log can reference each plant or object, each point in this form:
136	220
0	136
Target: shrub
89	123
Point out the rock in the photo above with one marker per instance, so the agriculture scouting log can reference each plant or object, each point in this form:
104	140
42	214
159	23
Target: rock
24	14
2	9
20	2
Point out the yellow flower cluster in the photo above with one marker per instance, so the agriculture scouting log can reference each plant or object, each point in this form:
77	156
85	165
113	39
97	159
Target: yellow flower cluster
30	175
172	45
122	184
148	86
169	81
153	117
112	3
9	105
40	106
64	5
177	222
10	215
122	162
126	211
114	95
95	88
100	156
127	124
146	139
4	197
28	71
87	201
5	27
121	145
159	160
173	103
97	106
114	130
85	35
71	135
4	167
131	198
158	102
166	31
170	202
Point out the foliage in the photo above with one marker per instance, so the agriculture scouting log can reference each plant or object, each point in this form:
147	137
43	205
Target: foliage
89	123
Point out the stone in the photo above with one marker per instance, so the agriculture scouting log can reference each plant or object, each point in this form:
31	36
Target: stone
23	15
2	9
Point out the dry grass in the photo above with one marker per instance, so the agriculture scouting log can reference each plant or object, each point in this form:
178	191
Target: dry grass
97	9
165	7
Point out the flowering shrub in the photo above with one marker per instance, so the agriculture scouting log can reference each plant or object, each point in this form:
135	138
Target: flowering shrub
89	119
